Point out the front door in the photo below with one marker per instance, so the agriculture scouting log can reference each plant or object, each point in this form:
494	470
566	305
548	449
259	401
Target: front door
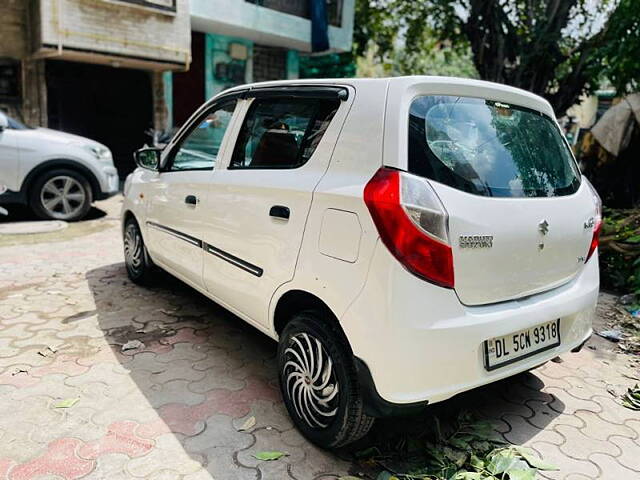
257	207
9	159
178	193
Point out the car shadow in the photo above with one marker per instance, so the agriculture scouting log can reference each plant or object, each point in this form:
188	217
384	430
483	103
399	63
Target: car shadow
197	361
22	213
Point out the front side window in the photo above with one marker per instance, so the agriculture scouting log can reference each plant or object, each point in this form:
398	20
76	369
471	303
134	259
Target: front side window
199	149
489	148
282	133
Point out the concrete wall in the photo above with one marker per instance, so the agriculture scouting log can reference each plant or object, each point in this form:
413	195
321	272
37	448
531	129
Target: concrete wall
266	26
14	21
216	51
118	29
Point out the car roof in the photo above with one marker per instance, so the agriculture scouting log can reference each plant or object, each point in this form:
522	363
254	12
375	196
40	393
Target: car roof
455	84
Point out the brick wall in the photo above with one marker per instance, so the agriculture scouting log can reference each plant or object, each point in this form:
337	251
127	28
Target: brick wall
119	29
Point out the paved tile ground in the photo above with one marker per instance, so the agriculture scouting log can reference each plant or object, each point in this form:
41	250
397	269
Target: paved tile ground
172	408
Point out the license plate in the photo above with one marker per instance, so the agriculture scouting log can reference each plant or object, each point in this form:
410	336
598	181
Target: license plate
501	351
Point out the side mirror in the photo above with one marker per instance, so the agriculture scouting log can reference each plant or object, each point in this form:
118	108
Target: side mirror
4	122
148	158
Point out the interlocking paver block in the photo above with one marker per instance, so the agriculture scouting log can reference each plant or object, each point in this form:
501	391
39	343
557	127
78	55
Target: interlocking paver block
595	427
59	459
216	378
522	431
628	457
174	391
552	454
172	409
120	438
168	454
566	403
611	469
110	466
219	432
579	446
612	409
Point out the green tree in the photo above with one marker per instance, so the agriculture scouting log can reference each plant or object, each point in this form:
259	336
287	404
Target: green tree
433	57
551	47
621	50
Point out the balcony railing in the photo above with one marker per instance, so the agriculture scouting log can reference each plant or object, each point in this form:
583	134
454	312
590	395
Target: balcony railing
300	8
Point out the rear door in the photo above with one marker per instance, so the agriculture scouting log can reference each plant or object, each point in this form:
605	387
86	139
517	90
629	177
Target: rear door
257	207
177	195
520	217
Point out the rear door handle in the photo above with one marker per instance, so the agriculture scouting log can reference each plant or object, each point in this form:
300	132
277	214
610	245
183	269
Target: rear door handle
280	211
191	200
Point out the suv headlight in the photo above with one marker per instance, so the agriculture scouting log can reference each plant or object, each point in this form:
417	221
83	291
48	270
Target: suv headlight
99	152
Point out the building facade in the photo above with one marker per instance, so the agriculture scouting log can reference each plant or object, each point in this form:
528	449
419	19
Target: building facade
111	70
241	41
92	67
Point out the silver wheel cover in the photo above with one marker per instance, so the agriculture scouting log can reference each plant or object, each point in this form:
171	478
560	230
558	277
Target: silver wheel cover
133	248
310	381
63	197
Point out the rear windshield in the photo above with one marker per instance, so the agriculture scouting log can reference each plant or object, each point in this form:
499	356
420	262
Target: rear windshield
489	148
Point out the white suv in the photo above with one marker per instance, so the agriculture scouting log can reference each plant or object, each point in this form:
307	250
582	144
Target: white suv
57	174
403	239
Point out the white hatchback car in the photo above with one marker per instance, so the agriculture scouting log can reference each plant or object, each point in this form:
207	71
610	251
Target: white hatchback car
403	239
57	174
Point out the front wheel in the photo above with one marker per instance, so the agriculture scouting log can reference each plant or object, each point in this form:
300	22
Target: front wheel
318	382
61	194
140	267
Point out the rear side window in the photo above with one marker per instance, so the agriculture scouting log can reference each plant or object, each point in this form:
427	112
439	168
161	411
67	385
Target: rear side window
489	148
282	132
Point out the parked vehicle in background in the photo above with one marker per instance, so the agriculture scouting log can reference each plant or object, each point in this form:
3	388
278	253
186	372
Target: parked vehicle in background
58	175
3	211
403	239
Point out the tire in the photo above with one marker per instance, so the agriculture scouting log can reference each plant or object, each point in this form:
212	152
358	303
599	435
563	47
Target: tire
140	268
61	194
324	399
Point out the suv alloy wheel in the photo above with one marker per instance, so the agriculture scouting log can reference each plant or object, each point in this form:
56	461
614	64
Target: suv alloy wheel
61	195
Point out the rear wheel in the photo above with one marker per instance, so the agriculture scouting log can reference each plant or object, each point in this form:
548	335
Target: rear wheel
318	382
61	194
140	267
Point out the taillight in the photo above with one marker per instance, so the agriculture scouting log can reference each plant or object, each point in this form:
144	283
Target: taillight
595	240
597	222
412	223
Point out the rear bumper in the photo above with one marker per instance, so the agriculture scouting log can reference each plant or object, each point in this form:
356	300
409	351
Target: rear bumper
420	344
374	404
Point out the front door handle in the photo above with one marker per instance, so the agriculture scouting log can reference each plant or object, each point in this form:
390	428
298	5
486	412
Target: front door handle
191	200
280	211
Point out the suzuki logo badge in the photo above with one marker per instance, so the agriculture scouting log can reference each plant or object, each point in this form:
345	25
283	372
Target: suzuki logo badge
543	227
